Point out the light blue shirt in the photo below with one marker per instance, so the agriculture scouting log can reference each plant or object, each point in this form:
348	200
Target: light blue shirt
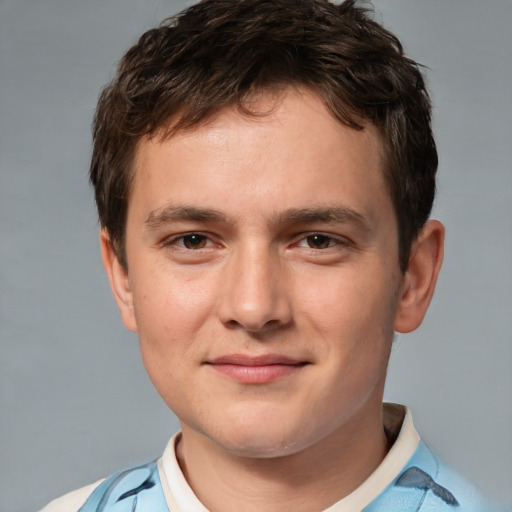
424	485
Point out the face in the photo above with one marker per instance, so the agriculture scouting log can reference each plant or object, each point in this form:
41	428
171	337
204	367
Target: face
263	275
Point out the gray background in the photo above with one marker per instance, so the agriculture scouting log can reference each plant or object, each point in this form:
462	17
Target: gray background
75	403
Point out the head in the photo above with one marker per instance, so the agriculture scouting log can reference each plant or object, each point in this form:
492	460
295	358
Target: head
263	170
227	53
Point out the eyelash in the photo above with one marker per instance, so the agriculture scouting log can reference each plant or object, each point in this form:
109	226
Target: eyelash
332	241
181	238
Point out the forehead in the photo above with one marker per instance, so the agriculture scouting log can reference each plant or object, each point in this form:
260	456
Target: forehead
289	148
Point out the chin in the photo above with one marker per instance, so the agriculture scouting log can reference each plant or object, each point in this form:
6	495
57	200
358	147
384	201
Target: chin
261	438
260	447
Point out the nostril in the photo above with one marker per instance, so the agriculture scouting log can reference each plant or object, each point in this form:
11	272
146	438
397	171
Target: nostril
257	327
232	324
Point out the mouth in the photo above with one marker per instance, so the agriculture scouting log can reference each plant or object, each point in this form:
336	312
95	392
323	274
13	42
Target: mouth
256	369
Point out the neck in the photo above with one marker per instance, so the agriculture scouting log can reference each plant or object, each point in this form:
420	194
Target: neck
310	480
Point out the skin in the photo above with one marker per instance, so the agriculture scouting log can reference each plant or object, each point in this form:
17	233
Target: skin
262	240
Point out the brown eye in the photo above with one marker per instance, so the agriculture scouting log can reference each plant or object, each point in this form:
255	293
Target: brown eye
318	241
194	241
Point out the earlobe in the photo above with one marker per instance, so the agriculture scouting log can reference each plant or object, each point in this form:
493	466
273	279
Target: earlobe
119	281
420	278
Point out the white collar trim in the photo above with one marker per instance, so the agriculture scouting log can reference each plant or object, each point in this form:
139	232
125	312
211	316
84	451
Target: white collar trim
392	465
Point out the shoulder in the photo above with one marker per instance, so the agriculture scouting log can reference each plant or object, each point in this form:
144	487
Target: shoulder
134	489
441	486
426	484
72	501
467	495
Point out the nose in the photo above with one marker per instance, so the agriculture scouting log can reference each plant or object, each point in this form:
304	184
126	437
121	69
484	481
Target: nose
255	294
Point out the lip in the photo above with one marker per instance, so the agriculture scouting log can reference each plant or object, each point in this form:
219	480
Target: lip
256	369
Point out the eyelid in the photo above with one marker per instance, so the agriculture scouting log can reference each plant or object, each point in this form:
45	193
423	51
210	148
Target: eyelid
337	239
172	240
301	240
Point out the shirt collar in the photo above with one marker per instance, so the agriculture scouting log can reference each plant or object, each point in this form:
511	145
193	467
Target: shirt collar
402	437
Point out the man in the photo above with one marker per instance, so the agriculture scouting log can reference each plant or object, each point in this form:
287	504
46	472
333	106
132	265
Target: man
264	173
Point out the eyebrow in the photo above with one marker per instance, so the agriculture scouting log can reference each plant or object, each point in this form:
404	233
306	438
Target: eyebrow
335	214
310	215
172	213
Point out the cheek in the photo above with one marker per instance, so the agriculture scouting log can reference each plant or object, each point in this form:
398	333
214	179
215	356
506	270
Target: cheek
351	311
171	304
171	313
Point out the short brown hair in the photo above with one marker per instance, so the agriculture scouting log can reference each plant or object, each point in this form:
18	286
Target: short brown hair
218	53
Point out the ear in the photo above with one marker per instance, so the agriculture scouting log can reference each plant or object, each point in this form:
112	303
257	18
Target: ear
420	278
119	282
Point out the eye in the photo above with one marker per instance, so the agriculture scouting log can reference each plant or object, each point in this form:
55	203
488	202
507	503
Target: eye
192	241
319	241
